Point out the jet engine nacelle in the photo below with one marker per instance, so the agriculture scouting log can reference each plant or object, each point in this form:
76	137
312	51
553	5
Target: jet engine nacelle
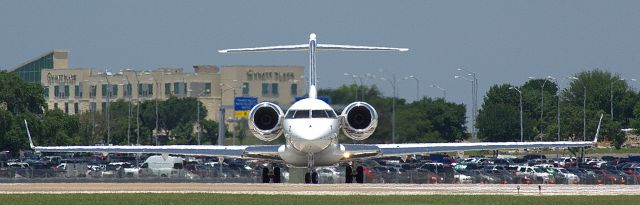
359	120
265	121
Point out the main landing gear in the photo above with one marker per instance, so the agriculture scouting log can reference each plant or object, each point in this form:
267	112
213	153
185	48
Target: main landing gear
311	177
267	176
359	175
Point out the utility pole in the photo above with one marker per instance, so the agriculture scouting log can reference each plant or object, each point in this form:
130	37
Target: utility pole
474	99
393	106
417	85
521	126
473	119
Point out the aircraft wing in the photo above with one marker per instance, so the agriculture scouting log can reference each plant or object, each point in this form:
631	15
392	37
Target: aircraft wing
300	47
357	48
245	151
355	151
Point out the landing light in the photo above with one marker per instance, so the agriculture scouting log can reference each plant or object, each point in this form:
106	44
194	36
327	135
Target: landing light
346	155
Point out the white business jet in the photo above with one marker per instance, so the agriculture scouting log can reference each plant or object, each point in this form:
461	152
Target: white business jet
310	128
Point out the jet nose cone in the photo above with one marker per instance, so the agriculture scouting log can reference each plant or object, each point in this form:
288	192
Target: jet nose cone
312	36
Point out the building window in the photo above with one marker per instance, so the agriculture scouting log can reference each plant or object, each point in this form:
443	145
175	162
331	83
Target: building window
78	91
167	89
92	92
265	89
66	91
139	89
176	88
184	88
294	89
76	109
114	90
274	88
149	89
56	91
245	88
55	105
93	107
207	88
66	108
128	90
104	90
104	107
46	91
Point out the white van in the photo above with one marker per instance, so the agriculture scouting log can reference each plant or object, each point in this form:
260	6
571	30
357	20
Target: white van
162	166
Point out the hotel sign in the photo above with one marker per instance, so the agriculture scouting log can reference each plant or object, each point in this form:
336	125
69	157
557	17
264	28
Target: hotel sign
61	78
269	75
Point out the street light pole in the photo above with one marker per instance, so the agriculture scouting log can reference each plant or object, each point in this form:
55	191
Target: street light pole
474	96
198	120
417	86
129	95
444	91
473	118
521	126
393	107
106	77
355	83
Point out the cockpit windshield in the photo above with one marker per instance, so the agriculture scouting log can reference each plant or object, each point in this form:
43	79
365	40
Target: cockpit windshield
319	114
323	114
299	114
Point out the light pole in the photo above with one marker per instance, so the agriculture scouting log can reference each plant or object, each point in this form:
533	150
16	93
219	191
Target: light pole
129	95
584	112
474	88
358	86
138	106
521	126
611	96
473	117
198	120
393	107
155	134
542	101
106	77
444	91
417	85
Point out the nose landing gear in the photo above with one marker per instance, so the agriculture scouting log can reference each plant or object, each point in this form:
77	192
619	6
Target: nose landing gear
311	177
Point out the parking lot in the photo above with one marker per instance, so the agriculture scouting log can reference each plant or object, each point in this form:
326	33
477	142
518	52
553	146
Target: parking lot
431	169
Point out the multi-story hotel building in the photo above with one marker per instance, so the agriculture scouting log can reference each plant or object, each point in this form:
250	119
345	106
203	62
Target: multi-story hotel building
87	89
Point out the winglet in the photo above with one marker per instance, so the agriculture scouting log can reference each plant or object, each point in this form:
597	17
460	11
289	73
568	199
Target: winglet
29	134
595	139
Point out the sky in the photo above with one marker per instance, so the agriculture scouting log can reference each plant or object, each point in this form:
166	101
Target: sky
501	41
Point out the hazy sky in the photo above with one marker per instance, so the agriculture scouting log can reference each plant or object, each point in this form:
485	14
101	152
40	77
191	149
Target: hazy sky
503	41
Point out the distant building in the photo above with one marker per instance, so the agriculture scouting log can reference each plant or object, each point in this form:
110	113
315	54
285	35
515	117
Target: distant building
31	71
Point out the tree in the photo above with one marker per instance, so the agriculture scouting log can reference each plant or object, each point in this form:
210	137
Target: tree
19	96
499	117
600	85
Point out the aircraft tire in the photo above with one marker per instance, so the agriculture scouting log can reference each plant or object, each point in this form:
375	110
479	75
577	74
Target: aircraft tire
314	177
276	175
348	175
360	175
265	175
307	178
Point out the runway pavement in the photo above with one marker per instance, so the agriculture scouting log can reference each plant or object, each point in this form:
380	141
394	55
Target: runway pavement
320	189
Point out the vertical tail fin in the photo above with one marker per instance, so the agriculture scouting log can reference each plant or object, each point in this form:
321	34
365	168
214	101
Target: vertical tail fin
312	46
26	125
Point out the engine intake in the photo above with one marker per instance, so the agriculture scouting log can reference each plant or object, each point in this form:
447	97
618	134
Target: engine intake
359	120
265	121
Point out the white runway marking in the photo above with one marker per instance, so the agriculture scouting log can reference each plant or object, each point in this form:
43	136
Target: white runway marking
318	189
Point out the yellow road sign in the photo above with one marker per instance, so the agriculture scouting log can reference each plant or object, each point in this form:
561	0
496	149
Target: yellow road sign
244	114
